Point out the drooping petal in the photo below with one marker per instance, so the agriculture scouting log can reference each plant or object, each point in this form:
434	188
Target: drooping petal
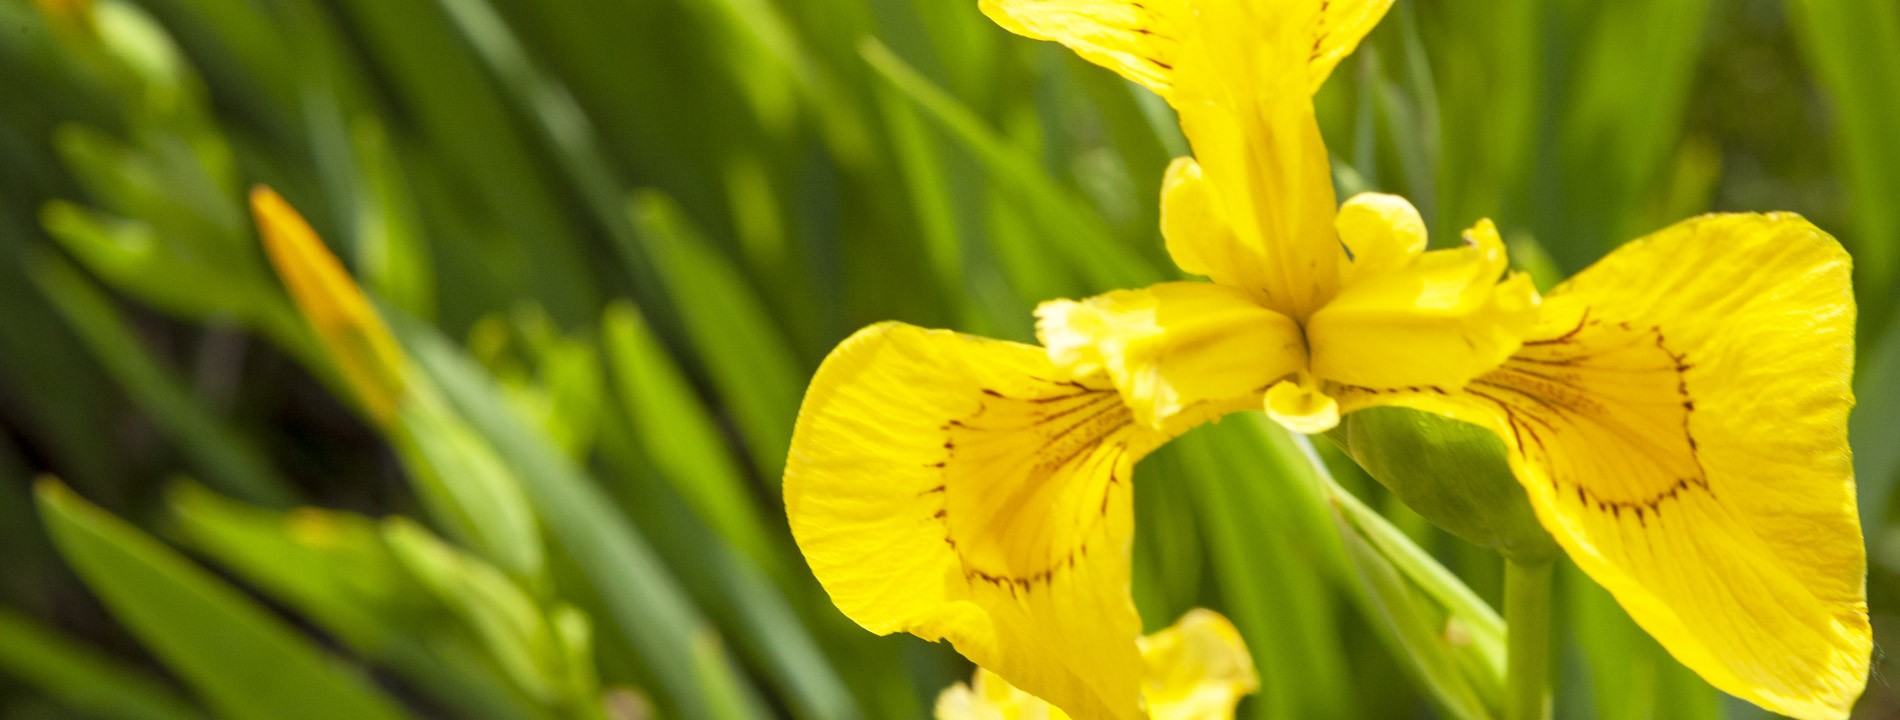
953	487
1242	97
1178	352
1678	420
1141	39
1440	319
1198	669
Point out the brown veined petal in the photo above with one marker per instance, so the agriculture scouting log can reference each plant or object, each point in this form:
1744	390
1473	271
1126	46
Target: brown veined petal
1678	420
1342	24
1179	352
953	487
1137	38
1142	39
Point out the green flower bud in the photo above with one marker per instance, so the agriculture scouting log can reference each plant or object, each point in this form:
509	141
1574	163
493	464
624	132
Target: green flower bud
1453	473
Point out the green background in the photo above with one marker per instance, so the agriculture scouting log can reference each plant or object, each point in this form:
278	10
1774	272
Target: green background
618	236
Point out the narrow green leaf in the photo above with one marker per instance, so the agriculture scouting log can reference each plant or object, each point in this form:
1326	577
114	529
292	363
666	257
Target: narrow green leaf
680	436
241	660
1853	47
1273	586
646	604
466	485
82	678
227	458
1400	615
751	365
1065	221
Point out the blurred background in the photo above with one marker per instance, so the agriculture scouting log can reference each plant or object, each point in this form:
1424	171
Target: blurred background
617	236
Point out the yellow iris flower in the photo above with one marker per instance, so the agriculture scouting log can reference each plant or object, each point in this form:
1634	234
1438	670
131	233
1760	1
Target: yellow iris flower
1196	670
1676	413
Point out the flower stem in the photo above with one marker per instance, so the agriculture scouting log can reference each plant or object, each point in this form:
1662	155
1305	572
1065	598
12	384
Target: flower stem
1527	622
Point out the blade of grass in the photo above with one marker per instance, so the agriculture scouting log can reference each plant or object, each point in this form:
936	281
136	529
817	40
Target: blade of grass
680	436
227	459
1853	47
750	363
242	661
1067	222
82	678
648	607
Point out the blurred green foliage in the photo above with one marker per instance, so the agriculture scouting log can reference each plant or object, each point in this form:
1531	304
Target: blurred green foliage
616	238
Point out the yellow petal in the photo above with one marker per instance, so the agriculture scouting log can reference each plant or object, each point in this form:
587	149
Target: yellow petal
1173	348
354	335
1342	24
1243	101
1137	38
1197	670
1198	236
1440	319
952	487
1301	408
1679	422
1381	233
1141	39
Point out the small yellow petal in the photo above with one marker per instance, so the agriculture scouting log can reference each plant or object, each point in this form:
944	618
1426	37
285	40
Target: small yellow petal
359	343
1174	348
1381	233
1301	409
954	488
1441	319
1198	669
1678	420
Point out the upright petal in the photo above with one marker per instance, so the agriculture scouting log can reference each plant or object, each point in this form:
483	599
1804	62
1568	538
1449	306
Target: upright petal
1137	38
953	487
1141	39
1242	94
1437	318
1678	420
1179	352
1342	24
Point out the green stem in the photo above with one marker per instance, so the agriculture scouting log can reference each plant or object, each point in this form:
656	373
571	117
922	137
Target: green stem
1527	621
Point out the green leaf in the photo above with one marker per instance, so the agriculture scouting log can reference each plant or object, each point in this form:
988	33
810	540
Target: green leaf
751	365
330	566
516	633
645	603
1273	583
1853	47
227	458
465	484
680	436
1066	222
82	678
1405	620
242	661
